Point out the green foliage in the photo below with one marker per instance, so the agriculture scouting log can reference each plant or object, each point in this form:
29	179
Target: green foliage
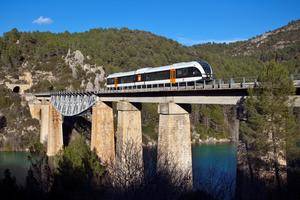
268	108
150	120
37	149
212	122
5	98
270	121
77	167
42	85
76	152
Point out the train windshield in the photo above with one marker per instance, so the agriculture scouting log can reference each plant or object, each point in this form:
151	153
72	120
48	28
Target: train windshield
205	66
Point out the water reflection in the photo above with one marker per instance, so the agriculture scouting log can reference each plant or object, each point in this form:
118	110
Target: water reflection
214	167
17	163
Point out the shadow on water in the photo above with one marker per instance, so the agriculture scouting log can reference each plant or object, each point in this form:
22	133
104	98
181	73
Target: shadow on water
150	160
214	168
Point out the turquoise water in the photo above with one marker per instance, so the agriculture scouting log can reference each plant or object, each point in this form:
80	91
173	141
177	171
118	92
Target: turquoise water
17	163
214	167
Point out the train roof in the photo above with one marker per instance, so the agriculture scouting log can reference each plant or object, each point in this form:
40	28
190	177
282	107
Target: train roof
154	69
121	74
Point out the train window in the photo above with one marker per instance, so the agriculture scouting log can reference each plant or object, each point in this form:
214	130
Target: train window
162	75
146	77
126	79
194	71
181	73
187	72
110	81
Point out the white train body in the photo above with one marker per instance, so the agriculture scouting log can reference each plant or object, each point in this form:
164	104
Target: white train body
185	72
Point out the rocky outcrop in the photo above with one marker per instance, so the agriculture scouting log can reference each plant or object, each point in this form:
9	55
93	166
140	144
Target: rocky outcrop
17	130
208	140
89	86
280	38
76	61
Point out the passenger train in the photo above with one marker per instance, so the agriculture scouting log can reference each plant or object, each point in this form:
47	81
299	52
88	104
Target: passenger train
184	72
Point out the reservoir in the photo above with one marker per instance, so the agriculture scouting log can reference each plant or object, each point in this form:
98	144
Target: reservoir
214	167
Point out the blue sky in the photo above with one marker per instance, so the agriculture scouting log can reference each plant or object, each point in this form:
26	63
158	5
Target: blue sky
187	21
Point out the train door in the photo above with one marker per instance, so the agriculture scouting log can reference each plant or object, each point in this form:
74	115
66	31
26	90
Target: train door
138	80
116	82
173	75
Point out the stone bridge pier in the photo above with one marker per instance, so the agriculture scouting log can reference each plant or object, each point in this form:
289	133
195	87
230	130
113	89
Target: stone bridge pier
102	136
55	133
44	121
174	140
51	132
234	123
129	150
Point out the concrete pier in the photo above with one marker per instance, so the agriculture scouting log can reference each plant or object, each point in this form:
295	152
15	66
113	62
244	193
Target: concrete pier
174	140
129	151
102	136
44	121
55	134
234	124
35	109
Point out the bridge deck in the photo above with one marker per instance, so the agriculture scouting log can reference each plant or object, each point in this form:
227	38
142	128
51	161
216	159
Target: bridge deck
76	102
225	89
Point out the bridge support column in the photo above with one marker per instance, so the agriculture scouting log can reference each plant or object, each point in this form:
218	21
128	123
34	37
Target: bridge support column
129	150
44	121
102	136
35	109
234	124
55	134
174	141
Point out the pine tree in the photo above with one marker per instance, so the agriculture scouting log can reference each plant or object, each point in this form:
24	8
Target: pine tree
270	124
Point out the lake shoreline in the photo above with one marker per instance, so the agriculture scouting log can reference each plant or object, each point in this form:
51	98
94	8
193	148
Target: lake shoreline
210	141
14	150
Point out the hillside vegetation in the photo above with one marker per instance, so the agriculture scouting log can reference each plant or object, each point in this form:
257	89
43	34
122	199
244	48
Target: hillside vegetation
123	49
98	52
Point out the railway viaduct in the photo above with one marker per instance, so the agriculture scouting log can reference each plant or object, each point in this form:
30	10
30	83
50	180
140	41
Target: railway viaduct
174	106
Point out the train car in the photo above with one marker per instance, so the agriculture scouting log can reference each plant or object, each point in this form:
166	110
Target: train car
185	72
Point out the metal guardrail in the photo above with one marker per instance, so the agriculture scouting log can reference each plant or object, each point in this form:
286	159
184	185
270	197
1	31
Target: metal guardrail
217	84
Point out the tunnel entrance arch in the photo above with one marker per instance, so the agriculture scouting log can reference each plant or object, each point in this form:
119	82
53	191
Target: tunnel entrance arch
16	89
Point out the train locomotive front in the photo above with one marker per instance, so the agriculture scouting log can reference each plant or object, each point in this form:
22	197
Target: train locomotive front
178	73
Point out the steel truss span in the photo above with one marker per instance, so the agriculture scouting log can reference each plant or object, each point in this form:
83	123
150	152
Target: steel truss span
73	104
